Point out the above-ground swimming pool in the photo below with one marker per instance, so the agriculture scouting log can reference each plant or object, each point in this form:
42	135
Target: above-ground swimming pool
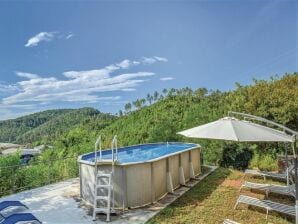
143	173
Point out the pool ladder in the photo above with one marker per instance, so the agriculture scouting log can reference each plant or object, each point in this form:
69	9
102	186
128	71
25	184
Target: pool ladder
114	148
103	186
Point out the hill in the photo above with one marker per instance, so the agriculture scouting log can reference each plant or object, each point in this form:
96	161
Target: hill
179	109
275	99
47	125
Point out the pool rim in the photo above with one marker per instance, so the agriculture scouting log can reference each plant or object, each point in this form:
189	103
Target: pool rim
80	160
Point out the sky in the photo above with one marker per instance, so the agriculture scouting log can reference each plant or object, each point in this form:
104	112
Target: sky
103	54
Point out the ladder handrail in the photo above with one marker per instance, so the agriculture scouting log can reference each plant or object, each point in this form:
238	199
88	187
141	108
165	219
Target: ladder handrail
97	143
114	146
95	175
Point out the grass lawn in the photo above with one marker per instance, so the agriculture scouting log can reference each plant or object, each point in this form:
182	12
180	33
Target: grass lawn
212	200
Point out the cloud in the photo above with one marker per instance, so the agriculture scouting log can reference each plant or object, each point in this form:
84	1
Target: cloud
148	60
161	59
69	36
7	88
169	78
27	75
42	36
153	60
124	64
85	86
47	37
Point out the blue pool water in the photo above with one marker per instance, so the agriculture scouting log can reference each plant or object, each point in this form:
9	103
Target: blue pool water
140	153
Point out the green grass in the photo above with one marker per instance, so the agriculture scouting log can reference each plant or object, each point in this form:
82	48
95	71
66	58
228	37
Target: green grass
212	200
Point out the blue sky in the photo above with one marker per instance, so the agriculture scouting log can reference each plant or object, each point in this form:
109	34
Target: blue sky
103	54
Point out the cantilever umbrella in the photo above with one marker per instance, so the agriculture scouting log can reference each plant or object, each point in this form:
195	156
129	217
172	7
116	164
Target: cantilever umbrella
233	129
230	128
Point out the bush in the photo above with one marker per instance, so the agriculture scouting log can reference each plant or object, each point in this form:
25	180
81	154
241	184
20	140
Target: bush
236	156
266	162
254	163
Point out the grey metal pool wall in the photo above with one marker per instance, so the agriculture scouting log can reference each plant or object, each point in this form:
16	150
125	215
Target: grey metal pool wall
140	184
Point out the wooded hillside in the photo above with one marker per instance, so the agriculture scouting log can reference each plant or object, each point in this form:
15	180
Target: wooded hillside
47	125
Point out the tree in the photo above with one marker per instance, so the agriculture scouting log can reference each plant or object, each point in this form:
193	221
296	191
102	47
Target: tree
137	104
142	101
155	96
149	98
201	92
172	92
165	91
127	107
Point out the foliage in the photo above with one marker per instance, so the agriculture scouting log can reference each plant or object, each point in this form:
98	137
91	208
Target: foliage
275	99
11	129
47	125
265	161
236	156
16	177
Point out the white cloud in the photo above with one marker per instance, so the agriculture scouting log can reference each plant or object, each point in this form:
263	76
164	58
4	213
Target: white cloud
169	78
8	88
148	60
161	59
136	62
77	86
37	92
124	64
27	75
47	37
69	36
42	36
153	60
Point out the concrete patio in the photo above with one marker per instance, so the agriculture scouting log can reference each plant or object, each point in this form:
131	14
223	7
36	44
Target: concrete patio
60	204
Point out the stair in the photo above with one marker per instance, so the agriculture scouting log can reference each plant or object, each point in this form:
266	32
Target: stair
106	188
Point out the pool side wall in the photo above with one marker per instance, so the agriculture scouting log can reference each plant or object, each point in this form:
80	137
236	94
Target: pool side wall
140	184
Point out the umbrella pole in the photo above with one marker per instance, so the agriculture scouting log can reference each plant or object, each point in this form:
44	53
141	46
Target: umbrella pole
287	163
296	191
296	182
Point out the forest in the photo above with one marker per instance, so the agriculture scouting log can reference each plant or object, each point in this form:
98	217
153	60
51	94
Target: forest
47	125
155	118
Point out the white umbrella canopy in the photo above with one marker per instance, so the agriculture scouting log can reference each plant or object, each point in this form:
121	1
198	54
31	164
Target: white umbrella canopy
230	128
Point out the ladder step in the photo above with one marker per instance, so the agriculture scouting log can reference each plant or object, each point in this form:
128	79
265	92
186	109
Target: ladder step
105	210
102	198
104	161
104	186
104	175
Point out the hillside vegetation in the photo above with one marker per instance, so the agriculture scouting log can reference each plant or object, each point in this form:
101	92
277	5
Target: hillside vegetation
47	125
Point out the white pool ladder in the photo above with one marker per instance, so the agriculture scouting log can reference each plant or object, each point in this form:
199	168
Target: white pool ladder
104	186
105	199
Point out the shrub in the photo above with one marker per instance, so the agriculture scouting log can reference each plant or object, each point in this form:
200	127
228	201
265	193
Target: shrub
254	163
236	156
266	162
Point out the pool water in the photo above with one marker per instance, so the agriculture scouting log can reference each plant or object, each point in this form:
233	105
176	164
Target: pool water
141	153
